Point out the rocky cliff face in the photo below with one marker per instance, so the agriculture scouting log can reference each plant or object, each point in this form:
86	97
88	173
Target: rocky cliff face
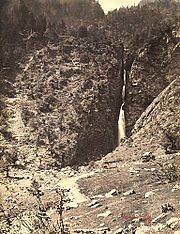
154	69
159	124
59	108
69	98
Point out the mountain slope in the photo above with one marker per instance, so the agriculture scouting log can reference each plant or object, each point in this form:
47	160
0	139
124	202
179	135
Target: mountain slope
156	66
160	123
70	98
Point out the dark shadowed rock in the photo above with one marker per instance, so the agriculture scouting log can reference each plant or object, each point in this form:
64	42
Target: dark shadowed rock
157	63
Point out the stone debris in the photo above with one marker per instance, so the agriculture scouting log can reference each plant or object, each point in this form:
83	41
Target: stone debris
177	232
130	229
100	196
158	227
143	230
147	157
173	222
96	205
105	214
153	169
119	231
167	207
176	187
112	193
129	192
71	205
149	194
93	204
149	169
101	224
133	170
102	230
150	229
84	231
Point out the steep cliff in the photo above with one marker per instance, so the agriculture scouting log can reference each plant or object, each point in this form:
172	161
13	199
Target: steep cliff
159	124
62	85
68	96
156	66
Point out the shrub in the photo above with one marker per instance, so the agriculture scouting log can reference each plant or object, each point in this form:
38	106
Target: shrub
82	31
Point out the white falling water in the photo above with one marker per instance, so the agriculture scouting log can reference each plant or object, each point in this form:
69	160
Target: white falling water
121	120
121	125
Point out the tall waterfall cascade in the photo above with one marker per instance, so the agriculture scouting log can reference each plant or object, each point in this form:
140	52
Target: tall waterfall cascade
122	120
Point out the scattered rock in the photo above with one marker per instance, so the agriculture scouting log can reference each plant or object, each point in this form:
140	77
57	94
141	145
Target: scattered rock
148	229
66	169
101	224
72	173
119	231
176	187
93	204
149	194
97	196
143	230
71	205
167	207
96	205
148	156
173	222
130	229
153	169
133	170
84	231
129	192
112	193
158	227
105	214
103	230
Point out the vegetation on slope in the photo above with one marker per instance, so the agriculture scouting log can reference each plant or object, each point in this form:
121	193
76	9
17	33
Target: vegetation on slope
61	77
136	26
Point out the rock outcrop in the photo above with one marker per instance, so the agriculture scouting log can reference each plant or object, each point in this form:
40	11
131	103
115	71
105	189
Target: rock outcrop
159	124
70	98
155	68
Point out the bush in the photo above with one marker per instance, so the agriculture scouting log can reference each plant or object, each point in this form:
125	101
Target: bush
8	159
166	173
82	31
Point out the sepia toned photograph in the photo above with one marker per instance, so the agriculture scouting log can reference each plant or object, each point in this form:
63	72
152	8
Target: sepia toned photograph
89	116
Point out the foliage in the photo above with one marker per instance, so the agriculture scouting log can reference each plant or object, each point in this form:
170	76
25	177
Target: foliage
16	217
8	159
82	31
26	24
170	139
166	173
138	25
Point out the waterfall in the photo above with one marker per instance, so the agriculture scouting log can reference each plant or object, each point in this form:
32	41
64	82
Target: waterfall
121	120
